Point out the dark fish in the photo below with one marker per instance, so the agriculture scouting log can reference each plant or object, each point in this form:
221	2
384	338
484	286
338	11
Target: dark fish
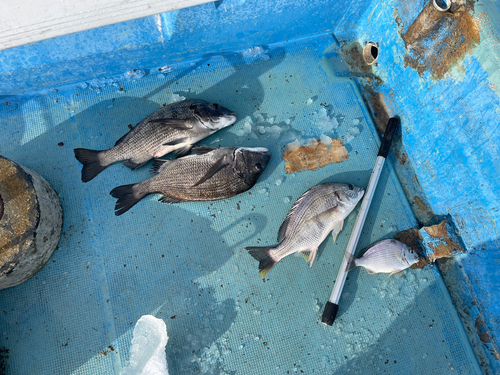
210	174
319	211
173	128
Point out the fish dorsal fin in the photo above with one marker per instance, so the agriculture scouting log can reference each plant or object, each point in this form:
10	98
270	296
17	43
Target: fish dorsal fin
200	150
283	227
182	151
158	164
173	123
220	164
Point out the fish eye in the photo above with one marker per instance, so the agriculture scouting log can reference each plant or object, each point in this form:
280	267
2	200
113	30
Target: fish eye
215	106
258	167
411	251
350	186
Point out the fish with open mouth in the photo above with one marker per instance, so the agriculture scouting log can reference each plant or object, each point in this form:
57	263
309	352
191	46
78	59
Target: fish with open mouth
319	211
208	174
173	128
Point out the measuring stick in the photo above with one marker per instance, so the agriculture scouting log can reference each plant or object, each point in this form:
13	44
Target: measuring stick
332	306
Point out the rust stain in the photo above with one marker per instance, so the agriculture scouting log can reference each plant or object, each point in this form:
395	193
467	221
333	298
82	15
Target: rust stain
447	245
314	155
444	247
377	107
438	41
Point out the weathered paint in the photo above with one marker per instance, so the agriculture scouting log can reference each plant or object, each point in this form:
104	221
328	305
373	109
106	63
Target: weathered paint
445	90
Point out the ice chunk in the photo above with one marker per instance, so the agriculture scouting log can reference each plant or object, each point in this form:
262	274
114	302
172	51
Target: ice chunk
240	133
355	121
247	128
261	130
174	98
309	101
325	123
257	52
147	352
326	140
294	146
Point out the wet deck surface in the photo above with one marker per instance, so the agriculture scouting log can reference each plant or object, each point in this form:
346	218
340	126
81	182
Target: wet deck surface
186	263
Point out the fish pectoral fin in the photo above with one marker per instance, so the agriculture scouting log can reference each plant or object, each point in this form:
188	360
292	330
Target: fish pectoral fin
133	165
167	199
220	164
336	229
176	142
200	150
325	215
173	123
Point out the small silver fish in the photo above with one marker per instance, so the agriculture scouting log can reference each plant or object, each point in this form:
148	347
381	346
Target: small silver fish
173	128
210	174
387	256
319	211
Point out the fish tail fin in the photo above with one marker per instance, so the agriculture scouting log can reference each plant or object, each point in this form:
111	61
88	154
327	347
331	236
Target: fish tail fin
91	164
263	255
351	261
126	198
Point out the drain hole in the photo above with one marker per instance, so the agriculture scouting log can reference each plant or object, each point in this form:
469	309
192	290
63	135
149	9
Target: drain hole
442	5
370	53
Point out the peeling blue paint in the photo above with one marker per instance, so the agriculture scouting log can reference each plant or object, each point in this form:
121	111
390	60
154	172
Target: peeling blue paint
451	132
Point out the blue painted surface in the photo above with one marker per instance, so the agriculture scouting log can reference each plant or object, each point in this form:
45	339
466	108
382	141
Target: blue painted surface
453	151
451	133
153	42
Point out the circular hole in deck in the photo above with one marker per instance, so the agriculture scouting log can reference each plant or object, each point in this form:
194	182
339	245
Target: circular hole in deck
370	53
442	5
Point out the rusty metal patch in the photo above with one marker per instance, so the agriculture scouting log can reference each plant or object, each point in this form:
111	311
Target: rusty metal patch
314	155
437	41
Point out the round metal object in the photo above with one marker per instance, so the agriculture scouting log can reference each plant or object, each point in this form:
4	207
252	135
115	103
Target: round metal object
370	53
442	5
31	223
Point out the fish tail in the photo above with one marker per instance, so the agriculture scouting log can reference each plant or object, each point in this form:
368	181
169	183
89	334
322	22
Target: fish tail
91	164
263	255
126	198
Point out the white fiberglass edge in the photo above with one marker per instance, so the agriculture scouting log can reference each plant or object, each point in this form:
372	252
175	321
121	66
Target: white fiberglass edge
28	21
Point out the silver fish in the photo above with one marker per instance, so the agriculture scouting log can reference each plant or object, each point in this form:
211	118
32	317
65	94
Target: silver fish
210	174
173	128
319	211
387	256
